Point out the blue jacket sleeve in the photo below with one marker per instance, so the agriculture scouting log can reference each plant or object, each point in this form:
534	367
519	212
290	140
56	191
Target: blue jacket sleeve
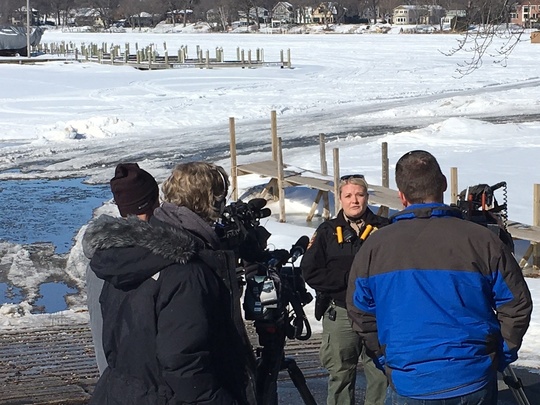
513	305
361	305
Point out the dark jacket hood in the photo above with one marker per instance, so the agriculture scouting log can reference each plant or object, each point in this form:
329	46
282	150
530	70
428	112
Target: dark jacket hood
128	251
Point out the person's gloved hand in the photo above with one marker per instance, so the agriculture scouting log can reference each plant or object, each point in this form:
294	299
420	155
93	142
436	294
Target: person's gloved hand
380	361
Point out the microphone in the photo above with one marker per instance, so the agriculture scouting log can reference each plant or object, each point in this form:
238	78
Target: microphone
299	248
279	257
263	213
256	204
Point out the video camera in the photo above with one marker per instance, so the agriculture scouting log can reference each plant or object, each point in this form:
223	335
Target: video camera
478	204
271	286
275	294
239	229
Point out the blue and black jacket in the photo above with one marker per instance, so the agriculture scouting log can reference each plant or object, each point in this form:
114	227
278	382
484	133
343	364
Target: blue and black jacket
441	300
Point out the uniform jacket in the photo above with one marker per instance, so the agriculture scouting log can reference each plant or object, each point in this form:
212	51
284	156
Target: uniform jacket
168	333
326	263
450	301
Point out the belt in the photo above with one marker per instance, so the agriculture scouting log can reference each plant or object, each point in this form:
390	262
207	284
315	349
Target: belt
340	304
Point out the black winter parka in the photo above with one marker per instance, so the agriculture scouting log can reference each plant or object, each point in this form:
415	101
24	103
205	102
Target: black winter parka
326	264
168	333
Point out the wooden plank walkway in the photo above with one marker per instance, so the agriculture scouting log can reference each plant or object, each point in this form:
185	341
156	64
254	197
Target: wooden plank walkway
378	195
56	365
294	176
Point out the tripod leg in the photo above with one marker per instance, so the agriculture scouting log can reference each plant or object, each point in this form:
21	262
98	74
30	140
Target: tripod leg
516	386
299	381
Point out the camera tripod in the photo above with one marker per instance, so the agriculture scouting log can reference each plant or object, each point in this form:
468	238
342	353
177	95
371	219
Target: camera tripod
516	386
271	360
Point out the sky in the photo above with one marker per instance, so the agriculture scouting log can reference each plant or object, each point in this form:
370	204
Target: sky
68	119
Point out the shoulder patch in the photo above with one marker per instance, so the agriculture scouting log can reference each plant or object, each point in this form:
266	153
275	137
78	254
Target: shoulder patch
311	240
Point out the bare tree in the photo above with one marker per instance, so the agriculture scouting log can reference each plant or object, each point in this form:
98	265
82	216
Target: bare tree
491	19
8	8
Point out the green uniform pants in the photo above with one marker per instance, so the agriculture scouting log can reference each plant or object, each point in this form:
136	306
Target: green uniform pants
340	350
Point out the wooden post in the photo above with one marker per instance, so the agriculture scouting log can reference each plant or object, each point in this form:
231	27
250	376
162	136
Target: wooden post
322	154
337	205
273	131
453	185
385	173
280	180
385	165
234	165
207	59
289	58
320	193
324	170
536	222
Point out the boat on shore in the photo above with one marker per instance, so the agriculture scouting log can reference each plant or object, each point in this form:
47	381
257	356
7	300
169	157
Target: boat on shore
13	40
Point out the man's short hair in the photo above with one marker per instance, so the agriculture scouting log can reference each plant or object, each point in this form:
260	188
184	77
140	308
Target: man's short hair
199	186
419	177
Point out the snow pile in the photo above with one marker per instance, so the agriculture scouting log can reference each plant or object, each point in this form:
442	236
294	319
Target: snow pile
95	127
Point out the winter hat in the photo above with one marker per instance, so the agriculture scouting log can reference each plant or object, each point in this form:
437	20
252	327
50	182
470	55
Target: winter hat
135	190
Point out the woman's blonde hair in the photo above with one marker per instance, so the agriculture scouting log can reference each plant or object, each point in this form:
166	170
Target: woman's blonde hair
356	179
201	187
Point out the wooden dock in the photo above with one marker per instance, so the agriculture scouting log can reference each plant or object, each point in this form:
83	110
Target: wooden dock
148	57
281	175
295	176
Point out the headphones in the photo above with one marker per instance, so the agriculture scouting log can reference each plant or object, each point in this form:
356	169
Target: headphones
220	202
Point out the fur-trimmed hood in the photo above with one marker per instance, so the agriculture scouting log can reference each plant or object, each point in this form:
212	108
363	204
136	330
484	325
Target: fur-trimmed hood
127	251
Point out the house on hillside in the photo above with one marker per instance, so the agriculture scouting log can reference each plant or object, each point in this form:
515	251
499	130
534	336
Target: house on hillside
303	15
179	16
18	17
282	14
144	19
526	14
456	19
325	13
259	15
413	14
82	17
408	14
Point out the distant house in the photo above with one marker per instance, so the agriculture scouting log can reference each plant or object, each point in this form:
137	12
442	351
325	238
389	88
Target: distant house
303	15
282	14
407	14
526	14
456	20
144	19
325	13
179	16
85	17
256	14
412	14
19	17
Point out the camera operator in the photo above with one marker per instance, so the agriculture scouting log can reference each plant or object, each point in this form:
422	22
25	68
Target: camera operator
325	267
171	330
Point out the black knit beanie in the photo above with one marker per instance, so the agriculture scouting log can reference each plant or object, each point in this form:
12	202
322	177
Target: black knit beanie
135	190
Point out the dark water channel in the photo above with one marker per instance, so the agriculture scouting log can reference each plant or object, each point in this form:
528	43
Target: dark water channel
49	211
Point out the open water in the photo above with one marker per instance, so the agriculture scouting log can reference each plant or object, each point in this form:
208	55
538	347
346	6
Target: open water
49	211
